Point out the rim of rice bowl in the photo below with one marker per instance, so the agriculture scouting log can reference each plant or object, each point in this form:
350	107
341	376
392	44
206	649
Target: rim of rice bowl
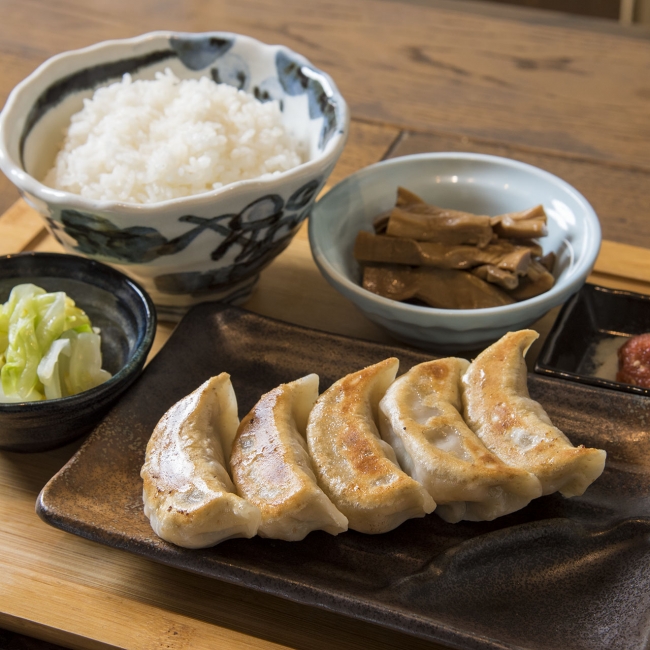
25	181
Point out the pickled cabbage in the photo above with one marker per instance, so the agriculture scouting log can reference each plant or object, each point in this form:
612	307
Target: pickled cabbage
48	347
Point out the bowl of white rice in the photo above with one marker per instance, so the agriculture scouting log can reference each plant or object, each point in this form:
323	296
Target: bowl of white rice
186	160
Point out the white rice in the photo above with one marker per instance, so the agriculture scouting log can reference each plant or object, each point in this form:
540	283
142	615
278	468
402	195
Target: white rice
148	141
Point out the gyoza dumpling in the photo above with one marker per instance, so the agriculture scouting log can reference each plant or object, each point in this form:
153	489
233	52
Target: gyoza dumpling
188	495
272	469
420	417
356	469
516	428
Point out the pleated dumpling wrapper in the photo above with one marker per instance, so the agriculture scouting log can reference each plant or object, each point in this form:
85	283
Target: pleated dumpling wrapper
356	469
498	408
271	467
420	416
188	495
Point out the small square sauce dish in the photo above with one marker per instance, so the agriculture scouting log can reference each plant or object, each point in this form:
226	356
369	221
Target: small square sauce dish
584	341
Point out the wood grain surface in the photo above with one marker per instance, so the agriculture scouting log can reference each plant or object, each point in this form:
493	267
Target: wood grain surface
568	94
428	66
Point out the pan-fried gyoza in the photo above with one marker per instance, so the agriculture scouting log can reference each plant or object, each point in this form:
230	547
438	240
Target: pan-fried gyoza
371	452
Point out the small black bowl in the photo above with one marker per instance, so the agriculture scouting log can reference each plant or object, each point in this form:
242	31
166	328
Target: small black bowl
583	343
127	319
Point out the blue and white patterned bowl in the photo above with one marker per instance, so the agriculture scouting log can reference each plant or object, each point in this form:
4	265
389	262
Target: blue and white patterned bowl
209	246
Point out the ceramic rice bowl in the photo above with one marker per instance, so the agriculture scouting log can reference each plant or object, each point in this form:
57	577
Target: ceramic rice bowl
209	246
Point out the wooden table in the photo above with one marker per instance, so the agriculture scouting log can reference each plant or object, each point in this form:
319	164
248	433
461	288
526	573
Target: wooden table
569	95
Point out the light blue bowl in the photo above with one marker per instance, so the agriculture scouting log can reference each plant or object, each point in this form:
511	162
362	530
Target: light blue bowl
209	246
463	181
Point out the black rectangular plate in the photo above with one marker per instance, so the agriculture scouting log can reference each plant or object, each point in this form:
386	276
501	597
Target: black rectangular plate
593	315
561	573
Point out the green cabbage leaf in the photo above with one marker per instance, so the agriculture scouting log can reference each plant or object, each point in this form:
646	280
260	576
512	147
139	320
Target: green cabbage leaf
48	347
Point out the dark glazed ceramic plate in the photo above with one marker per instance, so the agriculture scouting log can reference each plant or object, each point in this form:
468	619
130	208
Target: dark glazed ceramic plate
583	343
562	573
